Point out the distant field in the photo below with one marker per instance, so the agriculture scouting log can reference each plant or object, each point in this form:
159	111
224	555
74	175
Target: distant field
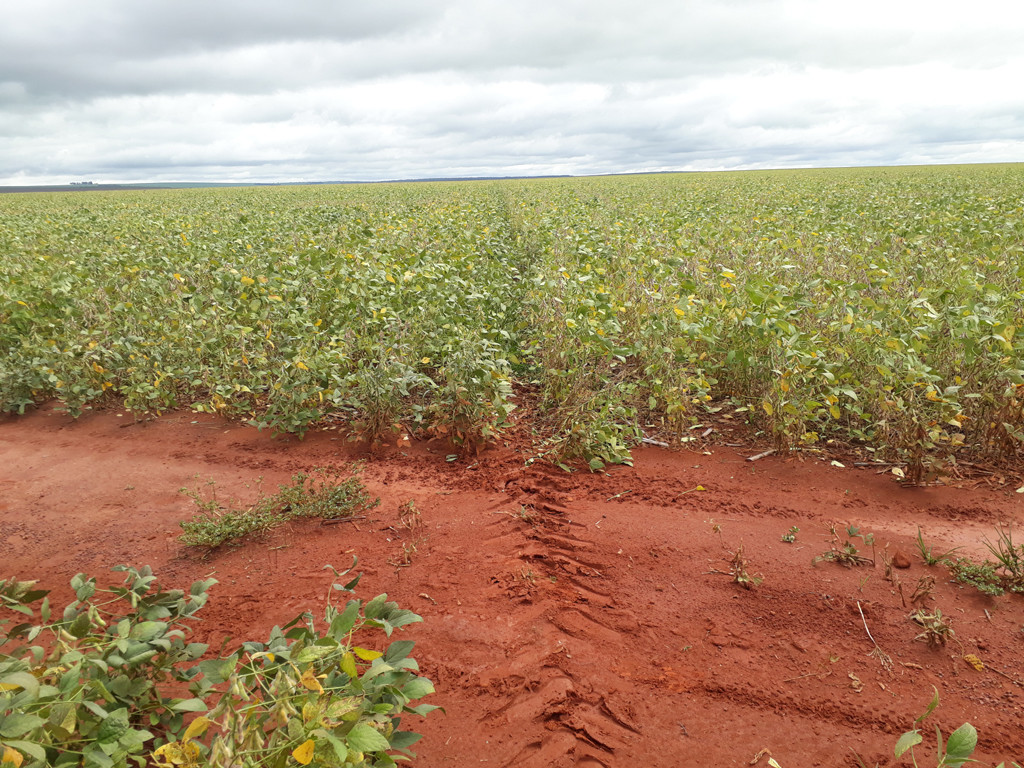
876	306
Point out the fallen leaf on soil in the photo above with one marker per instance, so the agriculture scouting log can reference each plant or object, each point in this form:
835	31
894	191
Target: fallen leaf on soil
771	760
974	661
856	684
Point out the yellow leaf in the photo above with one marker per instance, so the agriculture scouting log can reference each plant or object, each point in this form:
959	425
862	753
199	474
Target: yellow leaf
348	665
301	365
13	757
678	311
768	407
304	752
177	753
197	728
310	712
389	278
974	661
309	681
366	655
425	361
247	280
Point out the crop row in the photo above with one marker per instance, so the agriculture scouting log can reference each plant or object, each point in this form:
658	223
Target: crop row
872	305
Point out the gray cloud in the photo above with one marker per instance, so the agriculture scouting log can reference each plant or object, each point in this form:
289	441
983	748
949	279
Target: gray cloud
249	91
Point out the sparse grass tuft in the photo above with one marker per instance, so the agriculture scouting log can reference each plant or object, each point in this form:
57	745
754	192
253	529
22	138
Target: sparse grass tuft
926	552
1009	558
321	494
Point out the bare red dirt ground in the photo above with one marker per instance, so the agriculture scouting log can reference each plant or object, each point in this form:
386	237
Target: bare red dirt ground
569	619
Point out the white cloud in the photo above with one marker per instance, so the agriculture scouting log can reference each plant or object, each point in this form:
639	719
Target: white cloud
248	91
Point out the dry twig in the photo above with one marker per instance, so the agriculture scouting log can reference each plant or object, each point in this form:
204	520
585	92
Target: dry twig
884	658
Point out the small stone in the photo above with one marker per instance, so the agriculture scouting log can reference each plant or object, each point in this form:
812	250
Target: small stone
900	560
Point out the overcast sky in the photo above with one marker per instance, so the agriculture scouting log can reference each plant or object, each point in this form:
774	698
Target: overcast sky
225	90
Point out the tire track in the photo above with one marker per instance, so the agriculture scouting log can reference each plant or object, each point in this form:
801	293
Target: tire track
569	692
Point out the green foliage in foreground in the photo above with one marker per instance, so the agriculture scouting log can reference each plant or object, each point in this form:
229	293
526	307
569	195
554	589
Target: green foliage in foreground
102	685
322	494
958	747
881	306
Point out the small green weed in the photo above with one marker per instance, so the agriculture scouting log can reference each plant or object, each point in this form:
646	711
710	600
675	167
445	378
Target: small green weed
958	748
1009	558
321	494
847	553
927	554
981	576
790	536
937	628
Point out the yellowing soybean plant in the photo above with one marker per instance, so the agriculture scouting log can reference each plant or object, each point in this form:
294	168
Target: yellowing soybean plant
881	307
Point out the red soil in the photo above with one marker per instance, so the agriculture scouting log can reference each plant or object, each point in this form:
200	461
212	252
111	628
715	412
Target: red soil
602	631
